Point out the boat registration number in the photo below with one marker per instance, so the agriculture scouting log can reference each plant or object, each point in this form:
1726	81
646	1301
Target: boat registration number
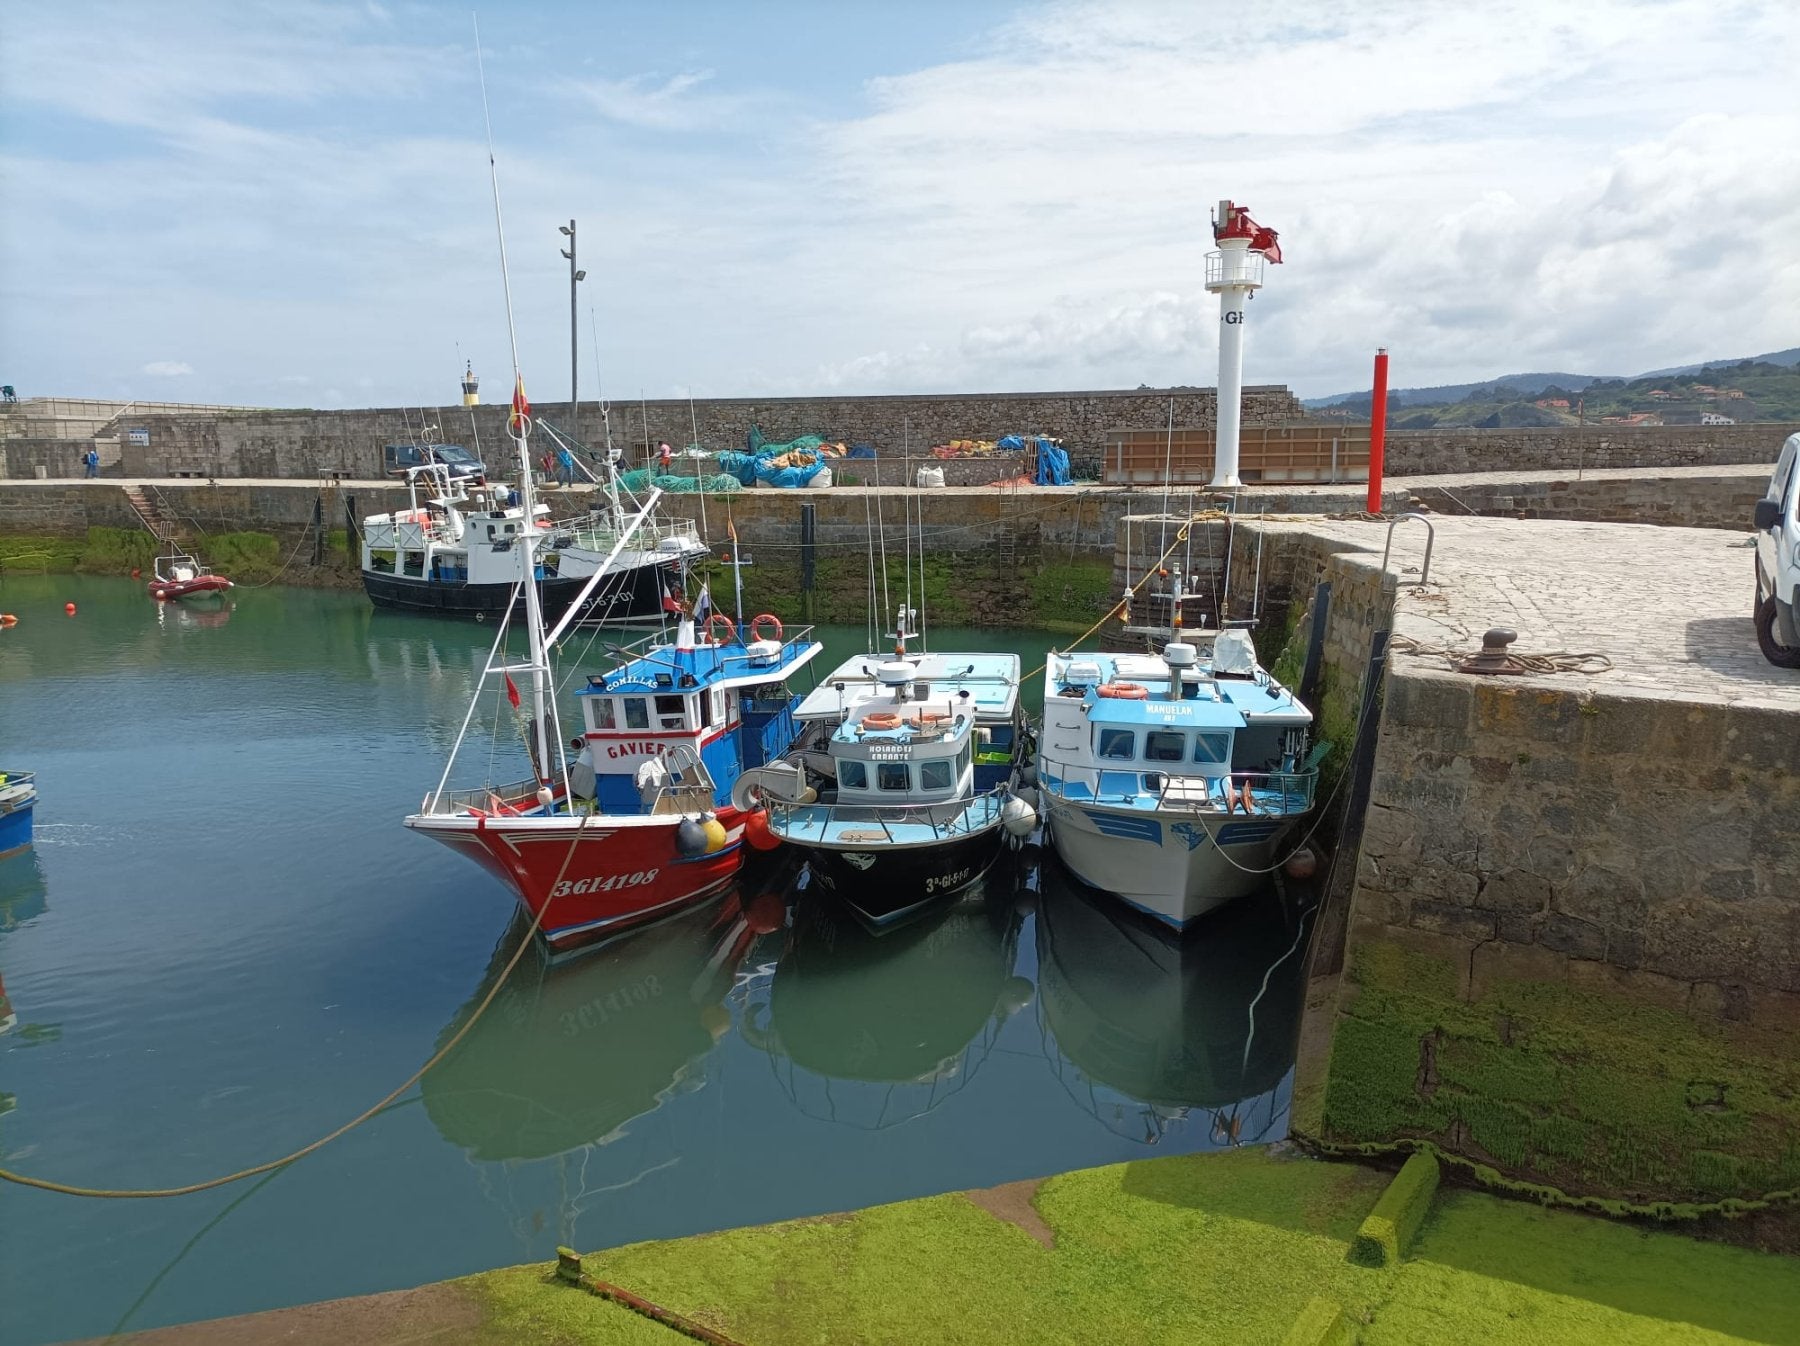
606	883
943	883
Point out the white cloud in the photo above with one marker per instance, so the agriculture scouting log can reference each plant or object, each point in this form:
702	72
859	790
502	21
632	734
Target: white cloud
168	369
1600	188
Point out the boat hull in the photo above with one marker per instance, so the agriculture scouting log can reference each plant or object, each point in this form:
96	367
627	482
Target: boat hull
200	586
15	825
884	885
590	883
633	596
1175	866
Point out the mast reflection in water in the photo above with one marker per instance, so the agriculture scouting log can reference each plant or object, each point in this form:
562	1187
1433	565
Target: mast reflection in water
1154	1029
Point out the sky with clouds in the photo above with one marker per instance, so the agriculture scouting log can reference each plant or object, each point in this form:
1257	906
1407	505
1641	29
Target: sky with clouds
287	203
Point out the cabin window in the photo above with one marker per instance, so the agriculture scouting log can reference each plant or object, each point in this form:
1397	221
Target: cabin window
604	716
707	709
1165	745
415	564
382	561
637	714
1211	747
892	776
853	775
671	712
935	775
962	759
1118	745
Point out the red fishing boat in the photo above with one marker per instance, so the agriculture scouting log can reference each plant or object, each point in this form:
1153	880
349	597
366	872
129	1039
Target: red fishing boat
631	818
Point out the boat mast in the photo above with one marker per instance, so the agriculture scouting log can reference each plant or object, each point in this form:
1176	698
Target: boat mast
518	426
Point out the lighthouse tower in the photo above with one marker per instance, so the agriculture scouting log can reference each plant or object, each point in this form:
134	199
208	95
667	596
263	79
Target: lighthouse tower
1234	272
470	384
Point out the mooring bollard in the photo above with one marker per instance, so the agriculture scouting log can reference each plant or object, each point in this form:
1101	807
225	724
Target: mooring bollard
568	1265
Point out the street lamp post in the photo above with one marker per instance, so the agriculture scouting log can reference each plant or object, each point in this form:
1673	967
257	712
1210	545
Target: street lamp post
574	277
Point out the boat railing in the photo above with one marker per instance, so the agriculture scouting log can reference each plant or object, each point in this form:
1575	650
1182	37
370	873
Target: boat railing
947	819
518	795
15	785
1276	793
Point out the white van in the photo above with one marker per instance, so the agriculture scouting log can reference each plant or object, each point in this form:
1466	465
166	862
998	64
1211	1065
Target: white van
1778	561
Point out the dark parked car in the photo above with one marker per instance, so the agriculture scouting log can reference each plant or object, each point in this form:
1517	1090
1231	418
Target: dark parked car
397	458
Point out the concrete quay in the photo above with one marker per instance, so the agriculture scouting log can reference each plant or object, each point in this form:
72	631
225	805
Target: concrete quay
1568	939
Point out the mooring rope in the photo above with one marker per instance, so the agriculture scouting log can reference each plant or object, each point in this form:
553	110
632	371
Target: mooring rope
187	1189
1557	661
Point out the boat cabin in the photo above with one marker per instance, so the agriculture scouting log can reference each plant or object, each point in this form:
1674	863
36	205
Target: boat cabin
728	703
981	687
454	532
1175	725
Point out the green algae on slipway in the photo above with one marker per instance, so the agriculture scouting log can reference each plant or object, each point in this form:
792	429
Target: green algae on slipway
1224	1247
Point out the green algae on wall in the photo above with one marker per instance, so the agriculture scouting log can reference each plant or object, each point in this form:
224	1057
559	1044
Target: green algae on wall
1586	1092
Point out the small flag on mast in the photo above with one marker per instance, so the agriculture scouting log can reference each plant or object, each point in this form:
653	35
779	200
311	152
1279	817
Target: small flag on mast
512	691
520	419
703	604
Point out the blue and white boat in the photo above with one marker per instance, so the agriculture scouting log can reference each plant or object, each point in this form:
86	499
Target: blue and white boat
901	788
18	793
1170	779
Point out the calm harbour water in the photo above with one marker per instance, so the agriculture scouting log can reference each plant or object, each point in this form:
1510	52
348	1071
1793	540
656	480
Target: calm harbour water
224	945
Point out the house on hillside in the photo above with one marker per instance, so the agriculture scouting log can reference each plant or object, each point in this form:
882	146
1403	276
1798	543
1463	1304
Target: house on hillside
1713	418
1549	403
1660	394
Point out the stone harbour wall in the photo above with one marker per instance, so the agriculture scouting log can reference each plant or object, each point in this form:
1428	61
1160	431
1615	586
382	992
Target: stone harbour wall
1605	838
1571	448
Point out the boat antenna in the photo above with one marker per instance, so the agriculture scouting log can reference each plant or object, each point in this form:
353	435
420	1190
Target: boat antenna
924	644
1168	472
887	603
543	719
700	486
600	388
874	619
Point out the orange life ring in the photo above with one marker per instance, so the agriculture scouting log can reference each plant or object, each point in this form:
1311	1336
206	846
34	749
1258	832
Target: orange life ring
1123	691
720	619
881	719
931	719
756	626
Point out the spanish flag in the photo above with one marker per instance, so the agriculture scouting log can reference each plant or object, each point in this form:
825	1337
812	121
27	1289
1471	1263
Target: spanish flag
520	420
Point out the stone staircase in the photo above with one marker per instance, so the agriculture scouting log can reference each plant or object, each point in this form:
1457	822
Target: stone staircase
149	510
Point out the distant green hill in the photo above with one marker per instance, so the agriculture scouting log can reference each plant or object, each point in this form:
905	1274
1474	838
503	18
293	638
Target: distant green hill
1769	384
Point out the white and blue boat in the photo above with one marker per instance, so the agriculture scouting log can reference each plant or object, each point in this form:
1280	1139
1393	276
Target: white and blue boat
1170	779
901	790
18	794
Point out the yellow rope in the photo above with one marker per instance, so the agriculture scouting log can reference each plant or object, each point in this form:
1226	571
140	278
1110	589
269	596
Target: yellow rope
1180	537
70	1189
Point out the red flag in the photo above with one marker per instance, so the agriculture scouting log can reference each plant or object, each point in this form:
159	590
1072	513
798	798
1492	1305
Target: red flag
512	692
521	409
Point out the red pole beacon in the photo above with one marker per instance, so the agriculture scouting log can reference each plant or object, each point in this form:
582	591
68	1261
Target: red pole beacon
1377	430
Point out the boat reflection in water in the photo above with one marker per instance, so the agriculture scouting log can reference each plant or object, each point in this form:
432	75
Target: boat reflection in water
23	897
569	1053
915	1009
1157	1030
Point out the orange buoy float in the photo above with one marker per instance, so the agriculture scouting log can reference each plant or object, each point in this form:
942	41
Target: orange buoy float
7	619
1123	691
136	573
69	608
881	719
757	833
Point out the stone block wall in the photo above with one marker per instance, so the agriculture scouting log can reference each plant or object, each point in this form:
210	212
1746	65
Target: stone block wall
1536	827
1574	448
1725	498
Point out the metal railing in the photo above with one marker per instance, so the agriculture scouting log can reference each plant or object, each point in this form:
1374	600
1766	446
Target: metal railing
1274	793
946	819
521	795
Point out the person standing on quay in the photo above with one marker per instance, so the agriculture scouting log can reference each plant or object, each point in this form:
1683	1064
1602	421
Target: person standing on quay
565	467
91	461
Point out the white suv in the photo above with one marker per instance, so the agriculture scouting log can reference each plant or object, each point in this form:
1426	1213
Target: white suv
1778	561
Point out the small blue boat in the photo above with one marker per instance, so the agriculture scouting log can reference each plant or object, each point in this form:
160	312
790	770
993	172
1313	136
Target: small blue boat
18	792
